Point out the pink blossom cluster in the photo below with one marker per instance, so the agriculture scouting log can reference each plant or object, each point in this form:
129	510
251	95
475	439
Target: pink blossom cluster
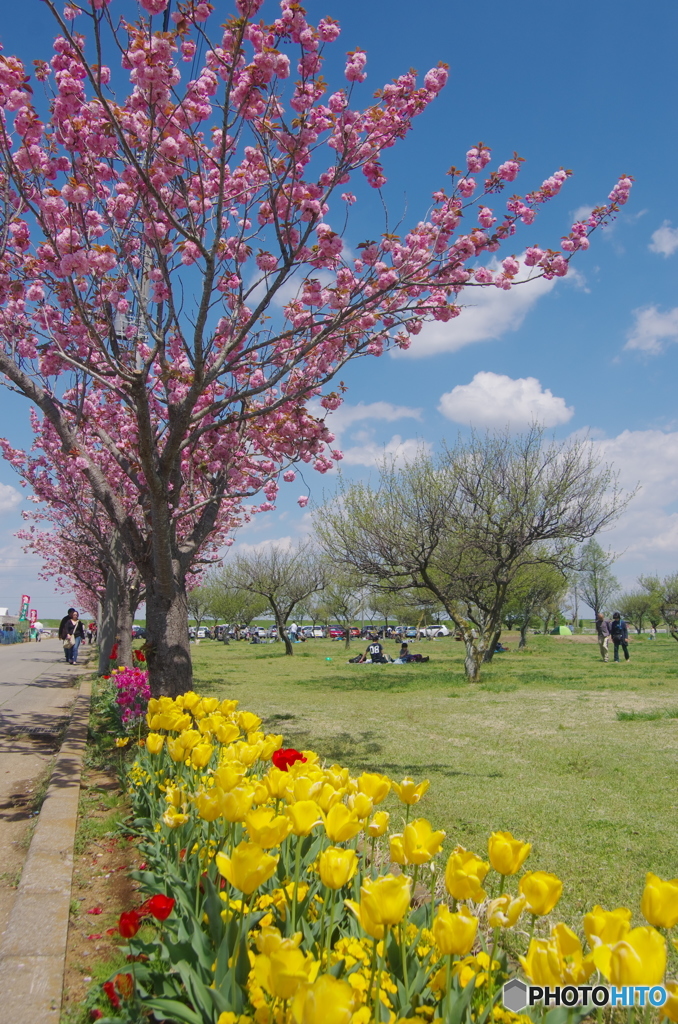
132	695
118	209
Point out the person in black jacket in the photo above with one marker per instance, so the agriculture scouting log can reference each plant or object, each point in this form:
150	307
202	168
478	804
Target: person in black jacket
71	628
620	636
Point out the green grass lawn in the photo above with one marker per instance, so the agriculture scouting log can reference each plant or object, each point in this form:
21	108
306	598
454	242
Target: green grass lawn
576	756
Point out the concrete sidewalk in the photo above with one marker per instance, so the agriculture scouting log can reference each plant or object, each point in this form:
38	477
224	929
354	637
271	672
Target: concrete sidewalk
37	694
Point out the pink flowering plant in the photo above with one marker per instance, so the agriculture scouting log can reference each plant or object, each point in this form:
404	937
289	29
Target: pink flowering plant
132	696
174	289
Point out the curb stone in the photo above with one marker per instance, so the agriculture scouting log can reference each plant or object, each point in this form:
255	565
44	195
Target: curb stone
33	951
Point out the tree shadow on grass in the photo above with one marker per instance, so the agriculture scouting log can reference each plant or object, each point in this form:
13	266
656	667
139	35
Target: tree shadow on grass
379	679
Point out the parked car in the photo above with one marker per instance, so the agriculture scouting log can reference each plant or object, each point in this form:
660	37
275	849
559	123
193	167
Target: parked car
437	630
306	631
138	633
355	633
319	632
411	632
335	632
204	633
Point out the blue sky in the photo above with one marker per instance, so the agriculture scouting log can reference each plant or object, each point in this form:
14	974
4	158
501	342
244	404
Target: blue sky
591	87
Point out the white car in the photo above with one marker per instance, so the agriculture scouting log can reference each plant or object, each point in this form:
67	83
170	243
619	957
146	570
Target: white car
437	630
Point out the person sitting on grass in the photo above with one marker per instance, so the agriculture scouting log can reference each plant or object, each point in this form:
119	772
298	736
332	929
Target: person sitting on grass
404	656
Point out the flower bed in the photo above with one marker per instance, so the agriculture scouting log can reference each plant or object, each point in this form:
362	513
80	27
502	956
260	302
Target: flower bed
271	899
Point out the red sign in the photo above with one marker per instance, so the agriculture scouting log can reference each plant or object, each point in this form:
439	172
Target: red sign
33	615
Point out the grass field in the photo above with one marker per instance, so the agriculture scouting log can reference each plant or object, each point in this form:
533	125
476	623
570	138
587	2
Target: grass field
576	756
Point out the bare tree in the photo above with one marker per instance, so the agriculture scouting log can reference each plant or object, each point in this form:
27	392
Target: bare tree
597	585
464	524
283	576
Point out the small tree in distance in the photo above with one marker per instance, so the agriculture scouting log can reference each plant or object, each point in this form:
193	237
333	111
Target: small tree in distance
465	524
597	585
284	577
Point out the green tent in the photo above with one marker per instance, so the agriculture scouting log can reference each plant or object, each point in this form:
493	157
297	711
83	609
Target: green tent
561	631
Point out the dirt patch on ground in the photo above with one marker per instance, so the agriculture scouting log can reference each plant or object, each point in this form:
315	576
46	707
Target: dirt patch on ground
101	891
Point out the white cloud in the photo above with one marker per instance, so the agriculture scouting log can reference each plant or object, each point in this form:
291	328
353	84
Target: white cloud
647	533
653	330
487	313
664	239
346	415
496	401
369	453
9	498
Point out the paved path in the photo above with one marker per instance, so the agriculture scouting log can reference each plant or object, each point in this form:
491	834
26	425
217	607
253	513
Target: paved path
37	691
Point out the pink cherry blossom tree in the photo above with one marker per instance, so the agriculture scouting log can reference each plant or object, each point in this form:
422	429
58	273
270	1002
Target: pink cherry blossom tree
172	288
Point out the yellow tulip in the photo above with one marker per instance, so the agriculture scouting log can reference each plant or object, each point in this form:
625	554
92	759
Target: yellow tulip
454	934
387	898
328	796
575	968
189	738
379	824
277	782
175	748
504	911
208	804
266	828
173	818
201	754
247	868
228	776
304	787
361	805
670	1007
179	723
248	721
304	816
396	851
337	776
209	704
542	964
341	824
366	921
283	971
153	705
464	875
327	1001
659	903
541	891
174	796
226	732
188	700
236	803
376	786
270	744
408	792
638	959
154	742
269	939
507	855
337	866
227	707
606	926
420	842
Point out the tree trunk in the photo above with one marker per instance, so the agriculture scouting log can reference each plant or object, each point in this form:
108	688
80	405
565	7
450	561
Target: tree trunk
523	634
289	649
472	660
489	653
108	624
168	652
124	622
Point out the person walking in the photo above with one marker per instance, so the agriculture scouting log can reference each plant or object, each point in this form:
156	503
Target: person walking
620	636
72	634
603	631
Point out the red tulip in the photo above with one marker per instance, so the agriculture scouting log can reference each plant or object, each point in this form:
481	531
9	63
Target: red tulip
109	989
282	759
159	906
125	985
129	923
